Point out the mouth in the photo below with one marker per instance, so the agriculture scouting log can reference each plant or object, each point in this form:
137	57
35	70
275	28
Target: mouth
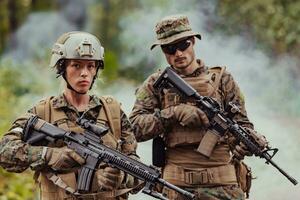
84	82
179	59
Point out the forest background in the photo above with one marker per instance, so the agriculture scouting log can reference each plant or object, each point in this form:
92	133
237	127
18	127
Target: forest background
258	41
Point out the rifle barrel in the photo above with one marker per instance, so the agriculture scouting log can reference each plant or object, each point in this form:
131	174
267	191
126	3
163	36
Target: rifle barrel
290	178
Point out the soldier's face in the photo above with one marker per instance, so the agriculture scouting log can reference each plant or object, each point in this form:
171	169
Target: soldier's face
80	74
181	54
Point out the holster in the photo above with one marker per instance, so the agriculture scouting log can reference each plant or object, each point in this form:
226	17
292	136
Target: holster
244	176
158	152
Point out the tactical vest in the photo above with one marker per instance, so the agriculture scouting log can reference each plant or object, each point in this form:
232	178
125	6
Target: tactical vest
206	84
184	166
59	186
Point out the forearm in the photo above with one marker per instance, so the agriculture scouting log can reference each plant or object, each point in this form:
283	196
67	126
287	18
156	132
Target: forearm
145	116
146	125
233	95
17	156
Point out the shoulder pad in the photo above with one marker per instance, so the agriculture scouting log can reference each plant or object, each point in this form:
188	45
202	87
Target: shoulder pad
109	99
43	107
217	68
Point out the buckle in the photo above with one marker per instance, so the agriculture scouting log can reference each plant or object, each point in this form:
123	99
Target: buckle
198	177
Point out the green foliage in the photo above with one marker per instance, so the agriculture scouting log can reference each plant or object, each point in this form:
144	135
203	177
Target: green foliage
4	27
12	186
14	12
9	90
10	78
16	187
106	14
110	71
42	5
273	23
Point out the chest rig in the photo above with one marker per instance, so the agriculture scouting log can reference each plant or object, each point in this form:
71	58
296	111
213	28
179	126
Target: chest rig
61	186
207	84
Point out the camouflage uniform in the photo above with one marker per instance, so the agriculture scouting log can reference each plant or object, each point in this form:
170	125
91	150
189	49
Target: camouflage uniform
182	160
16	156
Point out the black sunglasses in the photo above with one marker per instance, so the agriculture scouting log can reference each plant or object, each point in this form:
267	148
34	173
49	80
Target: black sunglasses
172	48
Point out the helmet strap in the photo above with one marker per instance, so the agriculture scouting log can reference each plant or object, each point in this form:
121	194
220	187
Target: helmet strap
96	75
70	87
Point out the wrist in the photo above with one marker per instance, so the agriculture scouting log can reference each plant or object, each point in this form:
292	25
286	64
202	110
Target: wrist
36	162
166	116
124	181
44	152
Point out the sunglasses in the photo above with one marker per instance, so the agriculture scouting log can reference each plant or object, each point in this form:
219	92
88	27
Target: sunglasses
172	48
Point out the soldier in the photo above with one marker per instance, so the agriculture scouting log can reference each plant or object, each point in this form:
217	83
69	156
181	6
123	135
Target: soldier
182	125
77	57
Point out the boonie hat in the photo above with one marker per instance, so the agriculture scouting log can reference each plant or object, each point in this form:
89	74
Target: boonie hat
172	28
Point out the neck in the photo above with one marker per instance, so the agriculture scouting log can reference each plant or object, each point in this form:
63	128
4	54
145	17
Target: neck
79	101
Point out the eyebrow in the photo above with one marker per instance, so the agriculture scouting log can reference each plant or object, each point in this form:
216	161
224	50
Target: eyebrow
81	61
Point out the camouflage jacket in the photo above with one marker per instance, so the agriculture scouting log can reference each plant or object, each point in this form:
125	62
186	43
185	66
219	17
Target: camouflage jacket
145	115
16	156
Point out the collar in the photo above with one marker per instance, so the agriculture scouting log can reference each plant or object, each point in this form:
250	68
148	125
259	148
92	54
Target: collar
61	102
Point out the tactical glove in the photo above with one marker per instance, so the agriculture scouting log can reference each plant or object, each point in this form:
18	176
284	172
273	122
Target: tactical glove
240	150
186	115
130	181
109	178
63	159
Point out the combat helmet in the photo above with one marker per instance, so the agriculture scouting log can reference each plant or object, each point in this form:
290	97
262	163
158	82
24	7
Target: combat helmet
76	45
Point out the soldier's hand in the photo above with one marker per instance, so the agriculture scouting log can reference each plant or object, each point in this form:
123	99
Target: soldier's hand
187	115
109	178
240	150
260	139
63	159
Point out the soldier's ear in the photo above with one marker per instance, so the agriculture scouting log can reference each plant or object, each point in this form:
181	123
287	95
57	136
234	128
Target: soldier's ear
193	40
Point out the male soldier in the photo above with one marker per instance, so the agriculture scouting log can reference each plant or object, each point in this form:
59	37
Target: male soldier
182	126
77	57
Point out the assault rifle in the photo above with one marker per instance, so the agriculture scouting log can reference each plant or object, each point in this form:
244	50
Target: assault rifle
89	146
220	121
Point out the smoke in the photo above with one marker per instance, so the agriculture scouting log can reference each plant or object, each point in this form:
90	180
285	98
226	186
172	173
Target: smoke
37	35
271	92
30	46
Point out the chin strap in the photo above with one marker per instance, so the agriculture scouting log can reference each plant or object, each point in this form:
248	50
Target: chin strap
71	88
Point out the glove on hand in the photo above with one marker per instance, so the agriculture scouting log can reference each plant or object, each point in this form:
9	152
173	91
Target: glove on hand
130	181
240	150
186	115
109	178
63	159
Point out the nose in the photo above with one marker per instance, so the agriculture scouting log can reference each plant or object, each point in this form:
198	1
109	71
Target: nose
178	53
84	71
